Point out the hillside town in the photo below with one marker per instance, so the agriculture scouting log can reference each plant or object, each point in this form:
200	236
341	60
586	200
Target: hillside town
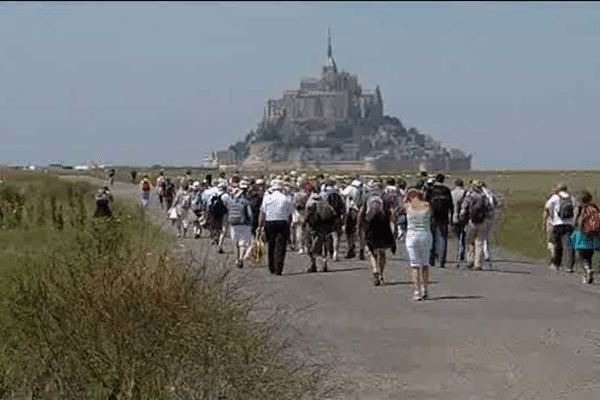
332	119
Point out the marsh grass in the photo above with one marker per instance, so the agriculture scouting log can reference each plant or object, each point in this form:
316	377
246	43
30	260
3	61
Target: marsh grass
104	309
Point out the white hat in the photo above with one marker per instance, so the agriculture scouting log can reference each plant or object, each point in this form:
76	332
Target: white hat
276	184
260	181
355	183
196	185
243	184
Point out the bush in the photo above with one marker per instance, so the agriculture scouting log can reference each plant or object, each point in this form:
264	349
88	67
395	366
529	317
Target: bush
105	310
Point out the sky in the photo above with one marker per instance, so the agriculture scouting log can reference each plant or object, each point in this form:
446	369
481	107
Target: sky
515	84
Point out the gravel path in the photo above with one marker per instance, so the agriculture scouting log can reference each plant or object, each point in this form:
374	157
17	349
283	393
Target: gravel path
515	331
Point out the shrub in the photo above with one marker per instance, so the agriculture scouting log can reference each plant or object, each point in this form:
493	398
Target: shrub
104	309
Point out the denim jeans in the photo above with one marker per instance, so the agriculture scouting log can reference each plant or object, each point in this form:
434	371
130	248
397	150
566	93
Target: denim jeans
439	246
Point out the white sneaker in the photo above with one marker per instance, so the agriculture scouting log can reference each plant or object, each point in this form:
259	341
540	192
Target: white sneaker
301	251
417	296
424	294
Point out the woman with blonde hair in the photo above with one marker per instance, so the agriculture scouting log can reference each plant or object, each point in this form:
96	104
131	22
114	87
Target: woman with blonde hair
418	240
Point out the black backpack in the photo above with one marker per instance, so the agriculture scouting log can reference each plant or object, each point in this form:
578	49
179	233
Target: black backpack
441	201
566	209
170	190
337	202
217	206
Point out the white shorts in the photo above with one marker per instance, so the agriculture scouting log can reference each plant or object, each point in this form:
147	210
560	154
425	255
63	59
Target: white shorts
240	233
418	246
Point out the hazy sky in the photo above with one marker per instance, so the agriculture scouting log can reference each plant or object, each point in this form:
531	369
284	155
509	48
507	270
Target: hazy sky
516	84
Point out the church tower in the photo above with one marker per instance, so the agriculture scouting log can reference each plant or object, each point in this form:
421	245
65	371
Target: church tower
330	63
329	74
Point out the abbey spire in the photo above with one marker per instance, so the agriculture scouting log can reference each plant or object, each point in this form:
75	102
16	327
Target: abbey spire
330	64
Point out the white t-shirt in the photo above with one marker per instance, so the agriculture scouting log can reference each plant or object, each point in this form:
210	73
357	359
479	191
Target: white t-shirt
552	205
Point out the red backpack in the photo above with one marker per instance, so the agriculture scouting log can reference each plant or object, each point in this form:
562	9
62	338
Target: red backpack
591	219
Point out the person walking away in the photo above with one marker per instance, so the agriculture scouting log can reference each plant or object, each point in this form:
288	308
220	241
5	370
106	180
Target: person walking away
275	219
320	223
104	203
299	229
133	176
224	196
400	214
257	193
492	219
548	226
216	211
393	195
145	188
169	194
161	188
586	237
474	214
240	220
197	209
458	228
335	199
419	240
560	210
351	222
182	205
360	198
439	197
375	217
111	177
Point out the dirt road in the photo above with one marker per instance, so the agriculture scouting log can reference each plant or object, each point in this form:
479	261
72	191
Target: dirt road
515	331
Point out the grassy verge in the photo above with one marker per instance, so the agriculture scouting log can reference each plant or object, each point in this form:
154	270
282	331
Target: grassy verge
103	309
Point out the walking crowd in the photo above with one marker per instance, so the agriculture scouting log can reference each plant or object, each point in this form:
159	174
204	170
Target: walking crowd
312	216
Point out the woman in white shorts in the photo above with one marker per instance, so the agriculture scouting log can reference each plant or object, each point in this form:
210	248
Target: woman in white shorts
418	240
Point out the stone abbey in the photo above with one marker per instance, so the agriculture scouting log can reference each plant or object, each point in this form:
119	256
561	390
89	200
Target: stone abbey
331	119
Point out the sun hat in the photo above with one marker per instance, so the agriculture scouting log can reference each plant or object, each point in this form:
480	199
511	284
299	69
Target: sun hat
276	184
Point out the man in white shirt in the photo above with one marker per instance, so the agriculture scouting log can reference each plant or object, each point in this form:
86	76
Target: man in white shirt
560	211
275	219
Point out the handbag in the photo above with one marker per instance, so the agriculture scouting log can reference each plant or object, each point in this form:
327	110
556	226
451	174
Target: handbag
173	213
256	251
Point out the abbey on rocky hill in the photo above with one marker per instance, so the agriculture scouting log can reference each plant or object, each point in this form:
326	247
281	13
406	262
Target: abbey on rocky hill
332	118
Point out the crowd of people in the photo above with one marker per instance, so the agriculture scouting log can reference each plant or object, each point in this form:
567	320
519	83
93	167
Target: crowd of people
312	215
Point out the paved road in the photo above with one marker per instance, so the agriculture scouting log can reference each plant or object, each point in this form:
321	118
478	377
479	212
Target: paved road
516	331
